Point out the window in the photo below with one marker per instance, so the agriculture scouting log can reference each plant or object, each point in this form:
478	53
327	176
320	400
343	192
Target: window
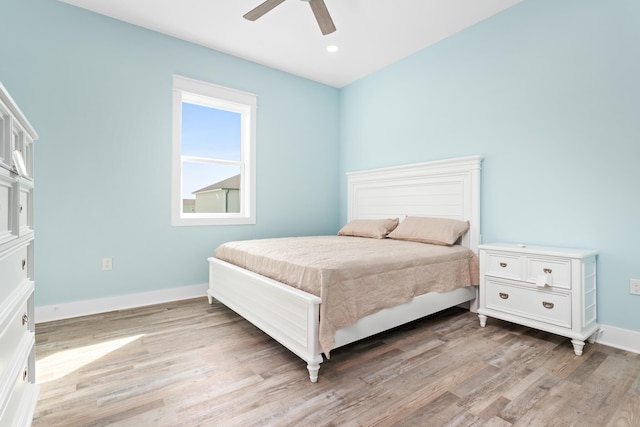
213	154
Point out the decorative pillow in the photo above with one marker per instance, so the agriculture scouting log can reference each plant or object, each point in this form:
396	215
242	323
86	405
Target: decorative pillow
376	228
437	231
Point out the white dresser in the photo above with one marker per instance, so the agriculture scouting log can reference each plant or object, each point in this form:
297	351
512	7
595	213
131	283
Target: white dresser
18	392
547	288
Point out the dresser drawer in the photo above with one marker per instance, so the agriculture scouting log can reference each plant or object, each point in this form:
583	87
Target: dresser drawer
13	269
504	265
558	268
12	332
21	397
24	210
541	305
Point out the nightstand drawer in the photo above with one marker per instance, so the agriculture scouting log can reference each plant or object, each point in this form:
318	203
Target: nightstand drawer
558	268
541	305
504	265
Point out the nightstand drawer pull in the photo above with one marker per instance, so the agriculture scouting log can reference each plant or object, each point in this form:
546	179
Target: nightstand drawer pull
24	263
503	264
25	319
24	374
548	305
503	295
547	270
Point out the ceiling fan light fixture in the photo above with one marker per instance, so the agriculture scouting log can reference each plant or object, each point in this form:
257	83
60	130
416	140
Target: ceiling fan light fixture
318	8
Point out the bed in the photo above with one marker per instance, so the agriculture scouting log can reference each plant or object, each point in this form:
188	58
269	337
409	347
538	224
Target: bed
448	189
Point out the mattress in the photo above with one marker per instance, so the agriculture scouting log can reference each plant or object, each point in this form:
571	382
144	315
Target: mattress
354	276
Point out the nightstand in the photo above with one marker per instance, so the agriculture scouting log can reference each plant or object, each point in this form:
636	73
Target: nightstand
547	288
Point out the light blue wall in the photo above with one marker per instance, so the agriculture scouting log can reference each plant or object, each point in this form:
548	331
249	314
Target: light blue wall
98	92
549	92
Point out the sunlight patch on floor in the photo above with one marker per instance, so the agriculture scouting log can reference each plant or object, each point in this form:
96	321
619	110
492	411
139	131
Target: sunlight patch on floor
64	362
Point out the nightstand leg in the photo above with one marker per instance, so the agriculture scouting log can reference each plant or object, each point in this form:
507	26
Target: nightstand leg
483	320
577	347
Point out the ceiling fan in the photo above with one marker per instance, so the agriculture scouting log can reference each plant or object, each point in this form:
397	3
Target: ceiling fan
317	6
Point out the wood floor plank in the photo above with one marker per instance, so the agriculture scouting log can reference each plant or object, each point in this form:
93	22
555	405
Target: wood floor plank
628	413
543	412
618	374
492	411
438	411
520	405
189	363
430	391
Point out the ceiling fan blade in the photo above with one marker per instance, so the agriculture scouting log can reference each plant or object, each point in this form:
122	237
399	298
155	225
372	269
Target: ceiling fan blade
261	9
322	16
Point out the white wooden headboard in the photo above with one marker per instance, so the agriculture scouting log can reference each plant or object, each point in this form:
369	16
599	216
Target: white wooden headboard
443	188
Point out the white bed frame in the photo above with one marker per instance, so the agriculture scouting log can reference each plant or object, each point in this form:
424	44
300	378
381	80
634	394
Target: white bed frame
445	188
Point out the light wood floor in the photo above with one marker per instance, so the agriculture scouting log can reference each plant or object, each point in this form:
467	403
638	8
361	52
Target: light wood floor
194	364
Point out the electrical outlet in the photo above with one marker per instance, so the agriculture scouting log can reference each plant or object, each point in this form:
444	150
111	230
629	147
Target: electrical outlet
107	263
634	286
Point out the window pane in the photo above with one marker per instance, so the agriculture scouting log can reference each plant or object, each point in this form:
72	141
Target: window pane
213	161
210	132
210	188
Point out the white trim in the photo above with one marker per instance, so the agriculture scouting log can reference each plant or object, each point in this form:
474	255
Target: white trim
611	336
69	310
204	91
210	95
624	339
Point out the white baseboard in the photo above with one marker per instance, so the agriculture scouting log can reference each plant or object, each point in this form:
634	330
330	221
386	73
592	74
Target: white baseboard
624	339
69	310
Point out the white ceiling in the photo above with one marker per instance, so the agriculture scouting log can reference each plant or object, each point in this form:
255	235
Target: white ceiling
371	34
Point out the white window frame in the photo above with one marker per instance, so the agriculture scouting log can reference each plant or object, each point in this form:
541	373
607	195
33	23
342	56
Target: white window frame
210	95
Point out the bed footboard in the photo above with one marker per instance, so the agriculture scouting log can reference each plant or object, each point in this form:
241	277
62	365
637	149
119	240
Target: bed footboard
288	315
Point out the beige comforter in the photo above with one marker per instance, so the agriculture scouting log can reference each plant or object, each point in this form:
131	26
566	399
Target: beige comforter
354	276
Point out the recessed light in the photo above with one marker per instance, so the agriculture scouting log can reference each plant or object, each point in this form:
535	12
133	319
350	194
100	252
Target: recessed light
332	48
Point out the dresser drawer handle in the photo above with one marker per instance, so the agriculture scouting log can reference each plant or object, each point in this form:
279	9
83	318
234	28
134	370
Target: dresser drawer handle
24	263
503	264
547	270
24	374
503	295
25	319
548	305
